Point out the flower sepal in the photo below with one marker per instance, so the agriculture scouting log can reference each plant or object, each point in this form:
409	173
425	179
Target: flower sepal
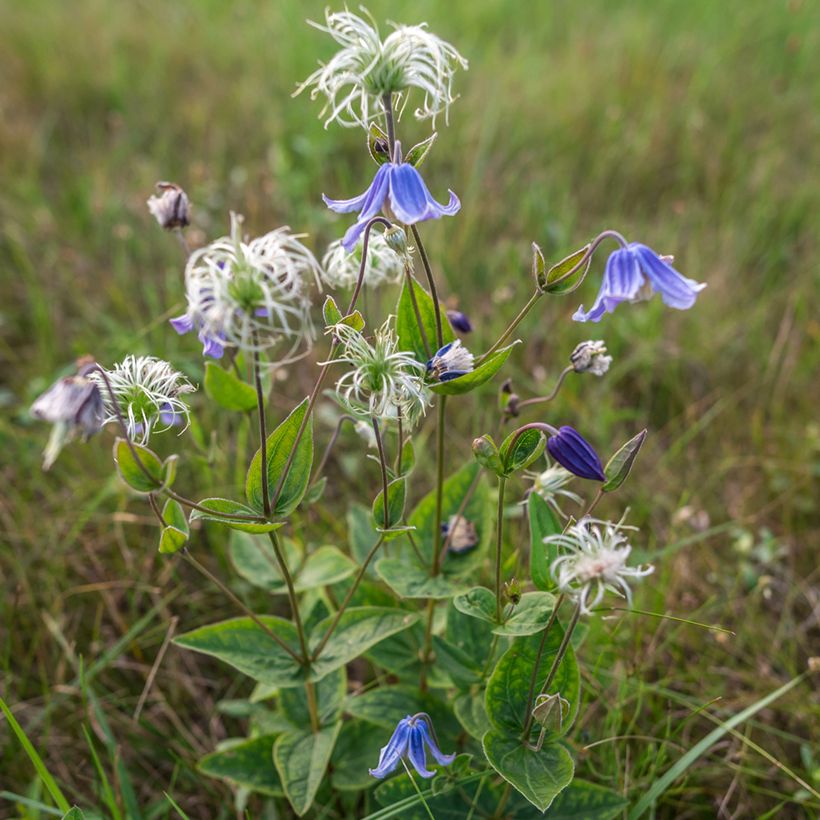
418	153
563	277
378	145
620	465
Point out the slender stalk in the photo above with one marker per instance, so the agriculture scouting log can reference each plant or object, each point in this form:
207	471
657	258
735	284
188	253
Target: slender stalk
502	483
323	463
411	289
460	512
228	593
538	656
399	444
350	593
387	102
556	661
418	790
263	436
431	282
294	604
552	394
442	404
314	394
383	465
522	314
313	708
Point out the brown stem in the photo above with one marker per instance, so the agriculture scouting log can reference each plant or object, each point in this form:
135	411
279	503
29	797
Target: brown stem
539	655
552	394
442	403
432	283
411	289
263	436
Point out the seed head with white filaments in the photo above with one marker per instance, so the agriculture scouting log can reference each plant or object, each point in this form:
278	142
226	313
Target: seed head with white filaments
383	382
357	77
340	269
550	483
148	394
251	294
595	562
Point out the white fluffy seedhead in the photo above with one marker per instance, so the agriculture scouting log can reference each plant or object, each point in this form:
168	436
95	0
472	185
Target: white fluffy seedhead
340	269
550	484
253	294
366	68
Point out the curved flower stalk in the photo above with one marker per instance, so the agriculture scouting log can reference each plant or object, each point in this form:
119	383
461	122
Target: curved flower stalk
632	273
148	393
384	382
597	552
340	267
366	68
399	185
411	736
250	294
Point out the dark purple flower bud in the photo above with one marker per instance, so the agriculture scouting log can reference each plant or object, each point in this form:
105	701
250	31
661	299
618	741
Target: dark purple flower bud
571	450
459	321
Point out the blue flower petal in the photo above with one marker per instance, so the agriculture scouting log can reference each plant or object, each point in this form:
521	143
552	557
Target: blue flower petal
441	758
409	197
676	290
622	281
391	753
365	200
416	751
182	324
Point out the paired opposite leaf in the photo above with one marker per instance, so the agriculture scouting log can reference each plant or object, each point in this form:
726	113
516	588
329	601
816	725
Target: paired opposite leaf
620	465
280	444
418	153
396	491
175	534
246	763
518	453
146	480
378	144
560	278
227	389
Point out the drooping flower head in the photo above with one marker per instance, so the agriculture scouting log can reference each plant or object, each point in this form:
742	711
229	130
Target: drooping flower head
572	451
250	294
450	362
366	68
590	356
550	484
411	736
399	185
595	561
460	534
74	406
171	208
632	271
148	394
383	381
340	268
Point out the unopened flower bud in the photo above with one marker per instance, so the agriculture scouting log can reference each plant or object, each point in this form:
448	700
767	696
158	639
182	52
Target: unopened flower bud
459	321
171	208
590	356
396	239
512	591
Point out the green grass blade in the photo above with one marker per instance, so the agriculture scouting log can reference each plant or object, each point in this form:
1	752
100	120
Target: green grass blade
32	804
702	746
108	792
408	802
179	811
48	781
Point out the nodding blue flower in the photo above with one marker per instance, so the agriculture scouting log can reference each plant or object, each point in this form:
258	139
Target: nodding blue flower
572	451
401	185
450	362
459	321
629	272
212	345
409	740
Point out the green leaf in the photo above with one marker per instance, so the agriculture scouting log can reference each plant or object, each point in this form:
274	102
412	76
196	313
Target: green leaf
471	714
175	535
330	694
486	454
227	389
224	507
361	533
378	144
543	522
242	644
129	468
463	669
582	800
330	312
407	324
518	453
559	279
396	493
174	516
172	540
169	470
357	750
280	444
247	763
74	813
539	776
410	580
358	629
301	759
316	491
400	656
408	458
418	153
475	378
529	616
478	602
509	685
539	267
620	465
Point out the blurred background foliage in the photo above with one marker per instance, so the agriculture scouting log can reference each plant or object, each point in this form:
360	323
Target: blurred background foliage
693	127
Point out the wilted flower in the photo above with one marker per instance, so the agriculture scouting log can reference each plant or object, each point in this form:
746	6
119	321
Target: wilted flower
571	450
460	533
171	208
367	68
550	484
249	295
450	362
629	272
147	392
595	562
340	268
459	321
401	185
74	406
590	356
384	381
409	739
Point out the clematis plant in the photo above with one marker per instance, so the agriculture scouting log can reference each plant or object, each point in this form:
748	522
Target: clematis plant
386	592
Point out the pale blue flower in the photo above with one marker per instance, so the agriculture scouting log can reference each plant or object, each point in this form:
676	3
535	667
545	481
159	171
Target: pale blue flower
409	740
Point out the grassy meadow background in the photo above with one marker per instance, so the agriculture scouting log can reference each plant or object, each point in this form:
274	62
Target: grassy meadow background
693	127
